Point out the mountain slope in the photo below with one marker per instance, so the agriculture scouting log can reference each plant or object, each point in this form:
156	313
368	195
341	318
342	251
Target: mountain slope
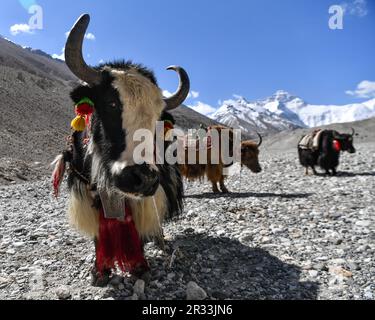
36	109
283	111
287	141
251	117
298	111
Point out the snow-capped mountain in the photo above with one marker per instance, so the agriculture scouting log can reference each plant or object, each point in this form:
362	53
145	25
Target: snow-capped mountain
309	115
250	117
284	111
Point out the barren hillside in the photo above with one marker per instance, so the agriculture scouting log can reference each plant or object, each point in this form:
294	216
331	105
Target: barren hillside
36	111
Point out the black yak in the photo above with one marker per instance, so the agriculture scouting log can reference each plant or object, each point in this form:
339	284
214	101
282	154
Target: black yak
325	151
115	100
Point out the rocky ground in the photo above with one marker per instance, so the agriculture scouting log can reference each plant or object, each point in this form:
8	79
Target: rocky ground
279	235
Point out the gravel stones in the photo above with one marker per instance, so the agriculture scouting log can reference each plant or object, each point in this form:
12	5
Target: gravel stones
278	235
195	292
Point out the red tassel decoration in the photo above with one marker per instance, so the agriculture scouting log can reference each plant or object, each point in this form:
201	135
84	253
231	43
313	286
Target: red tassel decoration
58	174
119	242
337	145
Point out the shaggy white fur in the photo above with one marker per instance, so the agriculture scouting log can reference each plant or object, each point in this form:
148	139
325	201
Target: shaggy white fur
82	215
142	102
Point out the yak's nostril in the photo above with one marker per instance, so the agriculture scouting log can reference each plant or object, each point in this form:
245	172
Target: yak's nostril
138	179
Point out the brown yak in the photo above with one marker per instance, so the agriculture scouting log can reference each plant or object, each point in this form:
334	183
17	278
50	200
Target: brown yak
214	172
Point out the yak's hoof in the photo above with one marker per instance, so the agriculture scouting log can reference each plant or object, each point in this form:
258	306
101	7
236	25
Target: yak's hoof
142	273
100	280
146	277
224	190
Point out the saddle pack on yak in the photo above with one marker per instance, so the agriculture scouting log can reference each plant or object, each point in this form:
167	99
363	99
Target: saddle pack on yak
311	140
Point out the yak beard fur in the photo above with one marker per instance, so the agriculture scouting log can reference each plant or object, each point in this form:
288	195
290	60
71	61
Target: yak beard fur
148	213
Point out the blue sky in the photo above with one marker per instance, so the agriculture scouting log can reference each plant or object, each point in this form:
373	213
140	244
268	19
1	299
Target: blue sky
244	47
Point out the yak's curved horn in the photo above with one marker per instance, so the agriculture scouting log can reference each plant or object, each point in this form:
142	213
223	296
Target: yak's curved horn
353	132
183	89
73	52
260	139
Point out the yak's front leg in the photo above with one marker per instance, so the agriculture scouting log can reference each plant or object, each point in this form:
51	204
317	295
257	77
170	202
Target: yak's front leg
215	188
213	175
99	279
222	185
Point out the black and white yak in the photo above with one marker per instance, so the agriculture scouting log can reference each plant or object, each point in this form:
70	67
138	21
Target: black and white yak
326	152
125	97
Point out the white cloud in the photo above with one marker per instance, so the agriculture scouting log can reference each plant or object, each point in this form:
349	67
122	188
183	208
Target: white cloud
237	96
203	108
20	28
356	8
365	89
193	94
88	36
167	94
60	56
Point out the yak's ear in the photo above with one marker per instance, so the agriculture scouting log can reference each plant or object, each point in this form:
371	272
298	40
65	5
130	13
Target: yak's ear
336	135
81	92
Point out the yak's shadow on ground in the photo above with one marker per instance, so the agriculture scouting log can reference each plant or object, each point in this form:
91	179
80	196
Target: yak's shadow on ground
244	195
228	269
345	174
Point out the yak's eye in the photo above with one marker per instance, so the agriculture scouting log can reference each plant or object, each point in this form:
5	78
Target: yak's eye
113	104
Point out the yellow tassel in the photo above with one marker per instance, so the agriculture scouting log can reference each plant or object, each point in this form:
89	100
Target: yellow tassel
79	123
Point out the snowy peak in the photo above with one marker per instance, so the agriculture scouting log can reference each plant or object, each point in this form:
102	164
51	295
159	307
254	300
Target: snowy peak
283	111
250	117
285	105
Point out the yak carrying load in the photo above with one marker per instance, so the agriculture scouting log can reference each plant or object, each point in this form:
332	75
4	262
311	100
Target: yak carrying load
214	170
322	148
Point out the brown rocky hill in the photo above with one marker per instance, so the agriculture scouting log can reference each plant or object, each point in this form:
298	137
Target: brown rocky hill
36	110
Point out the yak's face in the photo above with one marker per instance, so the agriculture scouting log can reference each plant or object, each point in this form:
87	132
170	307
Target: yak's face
346	142
250	156
126	100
